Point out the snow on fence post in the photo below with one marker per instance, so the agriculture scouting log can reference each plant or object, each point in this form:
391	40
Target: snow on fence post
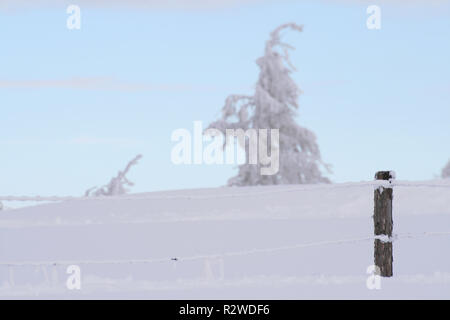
383	224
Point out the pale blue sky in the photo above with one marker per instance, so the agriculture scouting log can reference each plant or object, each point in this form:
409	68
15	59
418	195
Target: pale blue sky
77	105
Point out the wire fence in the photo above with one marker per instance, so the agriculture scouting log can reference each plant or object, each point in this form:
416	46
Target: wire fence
226	254
285	189
375	184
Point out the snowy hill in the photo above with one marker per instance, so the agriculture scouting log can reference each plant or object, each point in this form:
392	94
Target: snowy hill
252	242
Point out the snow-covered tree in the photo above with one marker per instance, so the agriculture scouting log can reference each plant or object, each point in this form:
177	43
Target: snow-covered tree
446	171
117	185
274	105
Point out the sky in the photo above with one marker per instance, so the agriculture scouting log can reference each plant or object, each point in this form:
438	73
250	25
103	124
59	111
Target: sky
77	105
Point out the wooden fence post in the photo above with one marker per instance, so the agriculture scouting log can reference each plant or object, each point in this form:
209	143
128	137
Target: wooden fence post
383	224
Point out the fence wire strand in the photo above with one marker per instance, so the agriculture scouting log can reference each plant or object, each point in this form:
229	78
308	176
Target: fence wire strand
374	184
221	255
285	189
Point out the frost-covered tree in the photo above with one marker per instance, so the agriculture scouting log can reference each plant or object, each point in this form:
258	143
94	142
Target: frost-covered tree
117	185
446	171
274	105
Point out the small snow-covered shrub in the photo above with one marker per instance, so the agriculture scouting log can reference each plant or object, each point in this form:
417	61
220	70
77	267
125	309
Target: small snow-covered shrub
117	185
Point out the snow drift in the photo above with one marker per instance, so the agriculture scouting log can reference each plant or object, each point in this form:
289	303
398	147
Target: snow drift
296	241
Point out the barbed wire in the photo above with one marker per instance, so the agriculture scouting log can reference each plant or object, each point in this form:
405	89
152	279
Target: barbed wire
222	255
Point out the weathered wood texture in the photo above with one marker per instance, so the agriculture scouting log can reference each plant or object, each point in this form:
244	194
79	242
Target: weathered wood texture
383	225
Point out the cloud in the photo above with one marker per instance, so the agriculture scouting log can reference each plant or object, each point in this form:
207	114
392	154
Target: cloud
13	6
87	140
150	4
73	83
82	140
185	4
104	83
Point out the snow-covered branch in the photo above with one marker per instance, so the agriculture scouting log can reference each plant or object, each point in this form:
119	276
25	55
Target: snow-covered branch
117	185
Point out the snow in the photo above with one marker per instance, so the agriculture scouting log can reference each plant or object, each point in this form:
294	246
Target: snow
393	174
267	242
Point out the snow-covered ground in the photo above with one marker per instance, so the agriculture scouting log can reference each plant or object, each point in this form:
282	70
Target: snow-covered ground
277	242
